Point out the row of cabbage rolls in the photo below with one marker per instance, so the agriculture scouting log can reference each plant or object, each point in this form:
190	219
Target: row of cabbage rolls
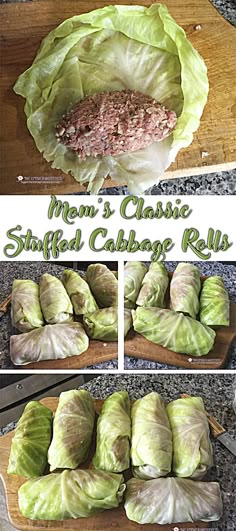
44	314
157	441
194	307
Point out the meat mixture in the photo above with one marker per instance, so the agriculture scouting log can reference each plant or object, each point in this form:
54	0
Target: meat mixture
111	123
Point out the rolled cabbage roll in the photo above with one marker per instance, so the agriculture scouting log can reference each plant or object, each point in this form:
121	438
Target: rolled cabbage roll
214	303
172	501
70	494
51	342
29	447
192	449
128	321
102	324
151	442
173	330
72	430
26	312
154	286
184	289
55	302
133	276
79	292
114	434
103	284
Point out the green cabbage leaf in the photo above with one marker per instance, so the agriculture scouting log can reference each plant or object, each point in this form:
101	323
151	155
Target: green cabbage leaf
113	48
70	494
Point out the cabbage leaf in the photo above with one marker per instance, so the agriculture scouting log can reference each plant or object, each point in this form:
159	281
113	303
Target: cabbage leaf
26	312
192	450
32	437
172	501
154	286
173	330
72	430
70	494
55	302
214	303
79	292
151	443
113	48
114	434
50	342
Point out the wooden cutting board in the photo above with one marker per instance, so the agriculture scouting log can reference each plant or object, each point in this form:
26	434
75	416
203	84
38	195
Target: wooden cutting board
112	519
138	346
23	26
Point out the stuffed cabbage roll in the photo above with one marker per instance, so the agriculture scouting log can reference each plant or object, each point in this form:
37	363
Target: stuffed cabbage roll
55	302
79	292
172	501
173	330
128	321
184	289
70	494
113	434
29	447
154	286
214	303
26	312
48	343
192	449
102	324
72	430
151	442
133	276
103	284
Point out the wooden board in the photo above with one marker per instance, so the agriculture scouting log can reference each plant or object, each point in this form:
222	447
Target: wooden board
138	346
24	24
112	519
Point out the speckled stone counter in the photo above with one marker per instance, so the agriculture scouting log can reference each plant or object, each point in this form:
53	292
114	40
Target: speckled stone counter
32	270
220	183
228	273
217	393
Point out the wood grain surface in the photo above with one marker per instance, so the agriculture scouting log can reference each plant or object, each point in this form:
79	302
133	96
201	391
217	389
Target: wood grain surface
23	26
138	346
113	519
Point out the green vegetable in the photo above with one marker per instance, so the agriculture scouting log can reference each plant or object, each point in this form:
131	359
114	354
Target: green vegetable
184	289
154	286
72	430
102	324
133	276
151	443
79	293
113	434
103	284
49	342
172	500
128	321
70	494
25	306
173	330
55	302
191	438
113	48
29	447
214	303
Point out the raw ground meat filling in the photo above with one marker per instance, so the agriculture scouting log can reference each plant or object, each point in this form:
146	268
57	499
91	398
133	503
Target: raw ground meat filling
111	123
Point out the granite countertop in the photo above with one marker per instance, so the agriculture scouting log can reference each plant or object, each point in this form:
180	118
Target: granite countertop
31	270
228	273
219	183
217	393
